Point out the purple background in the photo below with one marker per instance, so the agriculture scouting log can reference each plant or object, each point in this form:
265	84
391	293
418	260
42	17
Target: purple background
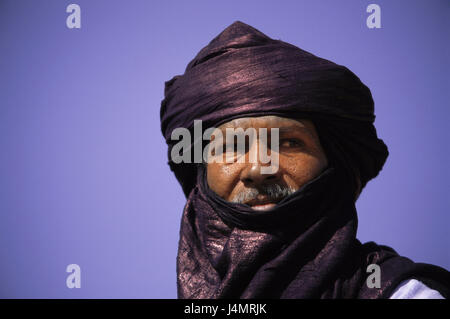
83	174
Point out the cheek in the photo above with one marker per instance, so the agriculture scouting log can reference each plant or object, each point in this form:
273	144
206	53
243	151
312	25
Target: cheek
300	169
222	179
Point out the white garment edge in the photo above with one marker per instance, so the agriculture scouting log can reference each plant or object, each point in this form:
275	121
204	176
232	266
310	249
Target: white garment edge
414	289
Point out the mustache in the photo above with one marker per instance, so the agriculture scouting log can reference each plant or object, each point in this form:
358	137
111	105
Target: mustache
273	192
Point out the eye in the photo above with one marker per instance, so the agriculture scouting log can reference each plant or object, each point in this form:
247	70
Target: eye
291	143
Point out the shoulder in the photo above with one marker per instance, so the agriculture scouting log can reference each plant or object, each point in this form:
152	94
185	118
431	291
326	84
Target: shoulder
402	278
414	289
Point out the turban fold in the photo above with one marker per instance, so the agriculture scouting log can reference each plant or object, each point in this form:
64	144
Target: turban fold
242	72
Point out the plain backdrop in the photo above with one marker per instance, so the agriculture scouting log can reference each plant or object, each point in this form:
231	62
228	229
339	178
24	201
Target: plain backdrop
83	168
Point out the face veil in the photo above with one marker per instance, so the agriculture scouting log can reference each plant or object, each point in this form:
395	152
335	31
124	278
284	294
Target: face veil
306	246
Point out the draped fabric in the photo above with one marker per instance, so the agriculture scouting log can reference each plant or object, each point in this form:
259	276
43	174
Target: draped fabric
308	250
306	246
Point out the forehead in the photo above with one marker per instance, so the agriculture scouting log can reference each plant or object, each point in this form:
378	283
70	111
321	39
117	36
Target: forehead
271	121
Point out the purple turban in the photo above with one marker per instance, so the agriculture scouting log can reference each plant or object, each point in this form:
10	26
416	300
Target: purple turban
242	72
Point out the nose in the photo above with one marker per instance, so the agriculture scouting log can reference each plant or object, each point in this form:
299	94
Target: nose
252	176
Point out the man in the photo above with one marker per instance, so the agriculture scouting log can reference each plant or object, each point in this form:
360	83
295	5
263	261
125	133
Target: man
289	233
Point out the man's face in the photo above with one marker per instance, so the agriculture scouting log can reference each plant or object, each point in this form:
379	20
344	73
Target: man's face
301	158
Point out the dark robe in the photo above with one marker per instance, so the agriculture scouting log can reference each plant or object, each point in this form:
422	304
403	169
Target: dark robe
306	246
